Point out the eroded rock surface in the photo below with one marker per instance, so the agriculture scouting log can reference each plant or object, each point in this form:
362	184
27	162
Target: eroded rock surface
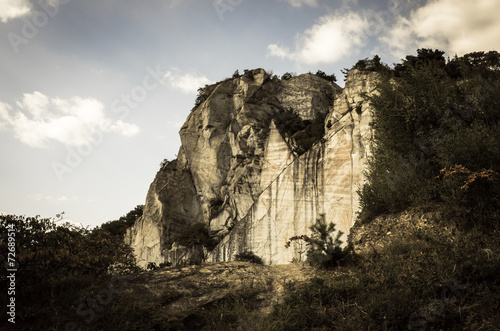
239	171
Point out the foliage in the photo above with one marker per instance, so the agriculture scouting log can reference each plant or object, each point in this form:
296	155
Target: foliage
56	261
248	74
236	311
330	78
118	227
431	115
163	163
288	75
196	236
248	256
153	266
431	279
300	244
473	194
47	250
375	64
201	96
323	248
422	282
304	133
435	279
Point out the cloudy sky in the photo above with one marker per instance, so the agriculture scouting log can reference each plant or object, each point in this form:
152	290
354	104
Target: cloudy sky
93	92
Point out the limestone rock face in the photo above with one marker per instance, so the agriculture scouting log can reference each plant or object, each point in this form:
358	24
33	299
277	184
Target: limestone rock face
324	180
237	170
171	203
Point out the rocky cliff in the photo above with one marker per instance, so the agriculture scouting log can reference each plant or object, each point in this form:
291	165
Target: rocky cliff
261	159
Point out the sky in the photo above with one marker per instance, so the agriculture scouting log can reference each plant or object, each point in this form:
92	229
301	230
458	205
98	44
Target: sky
94	92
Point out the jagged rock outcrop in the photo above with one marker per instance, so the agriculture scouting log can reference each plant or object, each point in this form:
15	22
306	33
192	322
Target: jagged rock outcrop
171	203
240	170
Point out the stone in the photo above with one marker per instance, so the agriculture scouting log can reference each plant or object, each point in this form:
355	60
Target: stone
240	174
171	204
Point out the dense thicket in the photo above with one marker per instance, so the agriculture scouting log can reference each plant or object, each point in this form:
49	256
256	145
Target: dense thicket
436	137
56	262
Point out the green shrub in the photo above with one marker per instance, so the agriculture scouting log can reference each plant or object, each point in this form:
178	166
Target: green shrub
305	133
330	78
201	96
196	236
56	263
248	256
236	311
325	249
248	74
119	227
288	75
152	266
322	248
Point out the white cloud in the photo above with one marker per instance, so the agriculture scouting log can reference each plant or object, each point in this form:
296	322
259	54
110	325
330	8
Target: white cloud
50	198
187	83
10	9
39	119
279	51
400	39
455	26
4	114
300	3
35	103
331	39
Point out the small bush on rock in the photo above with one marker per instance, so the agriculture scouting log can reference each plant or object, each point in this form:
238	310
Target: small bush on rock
248	256
323	249
196	236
